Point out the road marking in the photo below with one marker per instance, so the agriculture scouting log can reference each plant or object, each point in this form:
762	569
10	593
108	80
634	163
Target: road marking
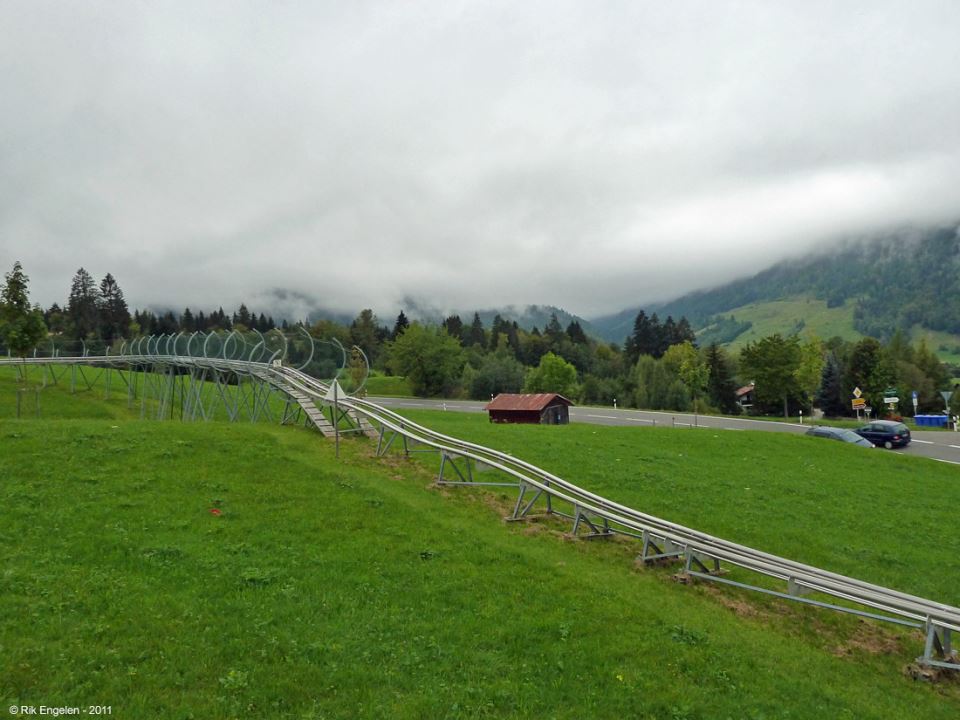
641	420
605	417
955	446
736	429
951	462
925	442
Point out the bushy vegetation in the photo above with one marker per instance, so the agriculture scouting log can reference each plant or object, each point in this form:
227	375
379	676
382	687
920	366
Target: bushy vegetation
662	365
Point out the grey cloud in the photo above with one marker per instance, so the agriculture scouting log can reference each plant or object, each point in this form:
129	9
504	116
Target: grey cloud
463	154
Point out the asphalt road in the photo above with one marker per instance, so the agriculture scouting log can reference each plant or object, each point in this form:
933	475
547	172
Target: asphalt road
942	446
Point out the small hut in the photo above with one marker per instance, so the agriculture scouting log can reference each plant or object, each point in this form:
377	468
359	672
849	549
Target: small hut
542	408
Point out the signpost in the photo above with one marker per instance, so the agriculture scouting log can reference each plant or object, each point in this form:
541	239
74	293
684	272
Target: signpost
946	395
858	404
914	396
890	398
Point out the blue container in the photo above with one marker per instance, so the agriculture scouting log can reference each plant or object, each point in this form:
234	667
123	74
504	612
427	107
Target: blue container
931	420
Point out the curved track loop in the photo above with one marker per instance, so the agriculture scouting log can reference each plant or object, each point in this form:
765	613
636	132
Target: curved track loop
233	354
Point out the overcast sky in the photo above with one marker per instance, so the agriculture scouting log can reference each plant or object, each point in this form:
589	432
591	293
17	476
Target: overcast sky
591	155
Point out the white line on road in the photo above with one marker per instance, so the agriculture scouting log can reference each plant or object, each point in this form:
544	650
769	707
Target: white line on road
736	429
956	446
605	417
952	462
925	442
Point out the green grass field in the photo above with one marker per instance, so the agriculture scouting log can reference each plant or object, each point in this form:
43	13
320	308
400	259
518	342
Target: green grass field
866	513
354	588
388	386
782	315
945	345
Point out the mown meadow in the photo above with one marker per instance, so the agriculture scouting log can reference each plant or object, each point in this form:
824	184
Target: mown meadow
215	570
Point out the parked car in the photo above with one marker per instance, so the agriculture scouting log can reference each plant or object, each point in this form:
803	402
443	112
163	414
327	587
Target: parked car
841	434
888	433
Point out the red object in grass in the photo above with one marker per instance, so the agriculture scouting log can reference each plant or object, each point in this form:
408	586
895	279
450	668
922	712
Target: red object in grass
215	511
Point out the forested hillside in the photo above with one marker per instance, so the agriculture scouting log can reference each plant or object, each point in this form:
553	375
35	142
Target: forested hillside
895	281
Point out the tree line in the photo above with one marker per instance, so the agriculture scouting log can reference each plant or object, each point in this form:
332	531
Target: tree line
661	365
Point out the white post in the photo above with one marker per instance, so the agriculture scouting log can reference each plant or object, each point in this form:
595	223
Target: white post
614	403
801	417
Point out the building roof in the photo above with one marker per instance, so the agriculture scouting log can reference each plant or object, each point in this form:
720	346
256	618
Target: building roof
539	401
745	389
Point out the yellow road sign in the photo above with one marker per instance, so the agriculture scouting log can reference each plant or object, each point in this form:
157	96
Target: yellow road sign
859	403
857	393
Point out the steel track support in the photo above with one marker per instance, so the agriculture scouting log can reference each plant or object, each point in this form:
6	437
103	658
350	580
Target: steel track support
938	650
291	411
655	548
521	510
596	530
694	558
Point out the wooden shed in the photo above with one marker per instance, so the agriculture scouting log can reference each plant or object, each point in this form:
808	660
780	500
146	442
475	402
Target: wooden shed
542	408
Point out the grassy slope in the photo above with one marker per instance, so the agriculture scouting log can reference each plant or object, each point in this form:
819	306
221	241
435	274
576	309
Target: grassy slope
388	386
944	344
781	317
871	514
331	589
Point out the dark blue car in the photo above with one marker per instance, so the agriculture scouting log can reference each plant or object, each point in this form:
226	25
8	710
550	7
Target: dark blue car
888	433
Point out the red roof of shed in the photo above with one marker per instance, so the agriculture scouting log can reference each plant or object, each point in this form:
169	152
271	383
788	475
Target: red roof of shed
510	401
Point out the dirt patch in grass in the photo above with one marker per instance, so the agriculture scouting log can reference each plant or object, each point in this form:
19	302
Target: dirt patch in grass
871	639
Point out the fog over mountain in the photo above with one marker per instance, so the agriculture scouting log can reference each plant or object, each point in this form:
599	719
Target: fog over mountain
472	155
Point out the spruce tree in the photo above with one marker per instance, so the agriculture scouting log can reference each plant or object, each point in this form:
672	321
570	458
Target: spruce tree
476	335
721	388
21	327
831	398
187	323
576	334
82	315
400	326
114	315
454	327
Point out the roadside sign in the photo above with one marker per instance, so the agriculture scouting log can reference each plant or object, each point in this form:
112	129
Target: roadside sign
857	392
914	397
858	403
914	394
946	395
891	400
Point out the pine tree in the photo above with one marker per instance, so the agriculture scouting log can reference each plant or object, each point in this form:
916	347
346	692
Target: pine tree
476	335
721	388
553	332
454	327
576	334
242	316
114	315
684	333
82	314
187	323
399	326
21	327
830	397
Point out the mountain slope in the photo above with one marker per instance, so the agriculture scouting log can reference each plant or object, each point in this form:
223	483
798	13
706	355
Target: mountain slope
902	279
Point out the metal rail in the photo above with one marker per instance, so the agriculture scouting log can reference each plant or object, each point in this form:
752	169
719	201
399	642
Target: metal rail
592	515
